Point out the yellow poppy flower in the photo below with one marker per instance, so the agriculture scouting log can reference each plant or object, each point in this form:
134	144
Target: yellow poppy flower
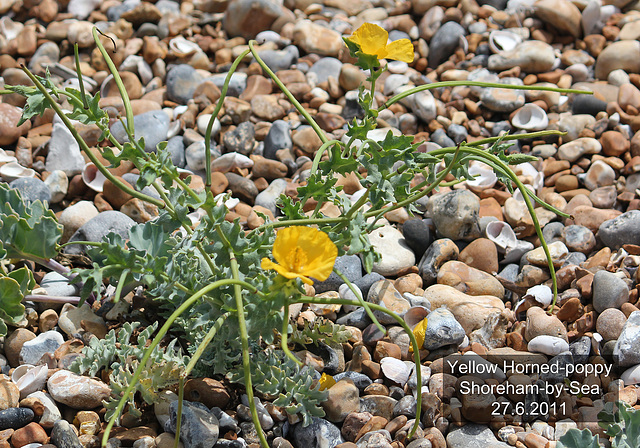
372	39
302	252
326	382
419	332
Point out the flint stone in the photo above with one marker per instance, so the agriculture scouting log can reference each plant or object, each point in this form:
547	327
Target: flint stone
97	228
199	428
627	349
152	125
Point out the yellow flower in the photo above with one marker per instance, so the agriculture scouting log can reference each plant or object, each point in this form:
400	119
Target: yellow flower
372	40
326	382
302	252
419	332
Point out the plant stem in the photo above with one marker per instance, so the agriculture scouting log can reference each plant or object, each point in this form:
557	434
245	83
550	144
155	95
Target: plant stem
214	115
52	299
161	333
284	334
244	337
435	85
289	95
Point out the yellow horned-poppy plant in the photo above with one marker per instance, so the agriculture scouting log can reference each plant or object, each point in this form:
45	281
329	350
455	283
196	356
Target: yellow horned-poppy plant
372	39
302	252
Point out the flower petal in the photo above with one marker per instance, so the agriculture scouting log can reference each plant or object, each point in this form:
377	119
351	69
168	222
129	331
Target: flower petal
400	50
371	38
321	252
268	264
285	243
419	332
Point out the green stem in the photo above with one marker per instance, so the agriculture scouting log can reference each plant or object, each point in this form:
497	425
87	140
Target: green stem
284	335
176	440
214	115
361	300
85	148
318	157
161	333
121	281
403	324
118	80
244	338
435	85
289	95
79	72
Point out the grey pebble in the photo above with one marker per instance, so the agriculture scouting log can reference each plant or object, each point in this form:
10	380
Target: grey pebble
32	189
15	418
63	435
444	42
98	227
199	425
349	265
319	434
182	81
152	125
609	291
623	229
278	137
175	147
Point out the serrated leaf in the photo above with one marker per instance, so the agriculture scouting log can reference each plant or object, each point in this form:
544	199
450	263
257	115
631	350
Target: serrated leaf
11	295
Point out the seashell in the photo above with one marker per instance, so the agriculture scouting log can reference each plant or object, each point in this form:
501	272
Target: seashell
29	379
103	86
517	194
230	203
526	169
93	178
395	369
415	315
501	234
501	40
541	294
174	129
486	178
182	47
9	28
230	161
530	117
13	170
5	158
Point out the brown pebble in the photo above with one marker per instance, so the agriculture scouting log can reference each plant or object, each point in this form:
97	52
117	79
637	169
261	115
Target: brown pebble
570	310
481	254
207	391
32	433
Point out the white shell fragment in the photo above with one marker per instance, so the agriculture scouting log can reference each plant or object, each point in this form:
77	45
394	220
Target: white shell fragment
485	177
501	40
530	117
541	294
93	178
13	170
395	369
415	315
182	47
29	379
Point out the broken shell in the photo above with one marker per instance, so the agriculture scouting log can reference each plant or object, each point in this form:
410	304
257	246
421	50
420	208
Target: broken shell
93	178
530	117
501	234
541	294
182	47
29	379
415	315
395	369
485	177
500	40
5	158
13	170
527	170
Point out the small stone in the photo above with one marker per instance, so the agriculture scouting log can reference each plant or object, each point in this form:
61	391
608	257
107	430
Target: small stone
614	143
247	19
241	139
442	330
64	436
15	418
319	434
278	137
481	254
182	81
72	319
627	349
9	129
624	54
199	426
444	42
417	235
549	345
58	184
578	147
620	230
455	214
379	405
343	400
469	280
306	139
540	323
609	291
78	392
562	15
470	311
99	226
32	189
50	413
599	174
13	345
610	324
353	423
473	436
64	153
579	239
396	255
267	107
10	395
558	251
314	38
32	433
152	125
531	56
383	293
75	216
207	391
44	343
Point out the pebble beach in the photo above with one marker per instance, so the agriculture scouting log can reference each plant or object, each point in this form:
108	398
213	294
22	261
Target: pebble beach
468	260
